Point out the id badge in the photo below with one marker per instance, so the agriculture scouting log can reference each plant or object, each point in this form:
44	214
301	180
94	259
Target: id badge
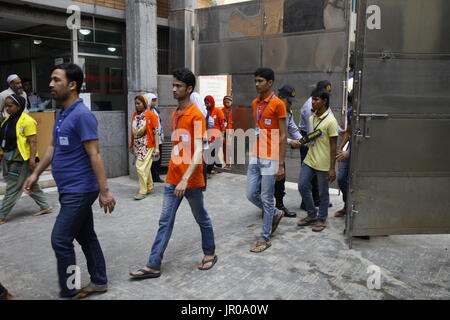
176	151
64	141
268	121
257	131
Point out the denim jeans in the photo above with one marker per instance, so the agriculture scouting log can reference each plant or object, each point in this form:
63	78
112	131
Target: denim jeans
167	220
304	187
260	190
343	179
75	221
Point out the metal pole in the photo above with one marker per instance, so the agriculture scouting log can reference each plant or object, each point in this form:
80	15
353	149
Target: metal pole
75	45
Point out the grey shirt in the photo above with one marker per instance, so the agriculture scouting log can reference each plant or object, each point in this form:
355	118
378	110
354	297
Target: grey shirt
292	129
305	114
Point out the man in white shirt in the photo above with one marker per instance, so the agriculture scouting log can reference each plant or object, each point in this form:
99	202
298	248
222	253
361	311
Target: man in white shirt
15	87
33	99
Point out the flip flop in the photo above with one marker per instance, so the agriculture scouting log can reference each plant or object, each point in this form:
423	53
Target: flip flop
276	221
42	212
260	243
87	291
145	274
213	260
140	197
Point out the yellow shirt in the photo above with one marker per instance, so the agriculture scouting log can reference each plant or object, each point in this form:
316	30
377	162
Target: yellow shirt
318	156
26	126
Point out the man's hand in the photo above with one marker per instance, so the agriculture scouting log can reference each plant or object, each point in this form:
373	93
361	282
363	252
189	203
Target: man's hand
31	164
342	155
280	174
107	201
331	175
156	153
295	144
29	183
181	189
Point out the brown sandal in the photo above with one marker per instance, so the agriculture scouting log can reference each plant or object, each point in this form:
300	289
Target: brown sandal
276	221
306	222
319	226
87	291
261	243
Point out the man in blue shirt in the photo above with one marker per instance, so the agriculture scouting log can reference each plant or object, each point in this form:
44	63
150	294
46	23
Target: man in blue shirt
79	173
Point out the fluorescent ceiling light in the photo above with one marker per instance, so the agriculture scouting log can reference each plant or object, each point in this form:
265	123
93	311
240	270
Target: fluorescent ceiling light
37	42
112	49
85	32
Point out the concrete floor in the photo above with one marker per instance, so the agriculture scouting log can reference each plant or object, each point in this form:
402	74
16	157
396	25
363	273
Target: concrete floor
301	264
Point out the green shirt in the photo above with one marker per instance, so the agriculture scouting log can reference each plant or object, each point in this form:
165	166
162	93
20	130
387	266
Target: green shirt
318	156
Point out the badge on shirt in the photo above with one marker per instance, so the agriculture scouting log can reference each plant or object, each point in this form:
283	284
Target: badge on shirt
64	141
257	131
21	129
268	121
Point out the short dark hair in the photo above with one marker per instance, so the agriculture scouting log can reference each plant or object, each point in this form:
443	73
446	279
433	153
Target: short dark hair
25	80
265	73
185	75
322	94
73	73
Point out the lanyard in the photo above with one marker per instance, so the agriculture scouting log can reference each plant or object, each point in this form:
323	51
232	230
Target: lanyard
320	122
259	115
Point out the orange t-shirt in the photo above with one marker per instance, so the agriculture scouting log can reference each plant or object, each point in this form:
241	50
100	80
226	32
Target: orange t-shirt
151	121
266	114
187	125
229	118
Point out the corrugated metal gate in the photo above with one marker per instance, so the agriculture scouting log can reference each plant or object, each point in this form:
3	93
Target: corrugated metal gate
400	168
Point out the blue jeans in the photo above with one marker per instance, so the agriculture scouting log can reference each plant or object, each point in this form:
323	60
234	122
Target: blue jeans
167	220
260	190
343	179
304	187
75	221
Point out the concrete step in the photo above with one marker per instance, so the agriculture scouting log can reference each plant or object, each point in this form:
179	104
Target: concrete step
45	181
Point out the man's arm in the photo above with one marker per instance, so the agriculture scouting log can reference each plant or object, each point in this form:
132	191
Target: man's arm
345	138
332	172
43	164
32	140
107	201
195	162
282	147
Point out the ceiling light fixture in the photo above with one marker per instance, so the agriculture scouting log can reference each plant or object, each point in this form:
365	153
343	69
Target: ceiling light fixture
37	42
112	49
85	32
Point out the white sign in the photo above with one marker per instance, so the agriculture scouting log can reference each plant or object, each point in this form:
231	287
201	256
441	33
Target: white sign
215	86
86	99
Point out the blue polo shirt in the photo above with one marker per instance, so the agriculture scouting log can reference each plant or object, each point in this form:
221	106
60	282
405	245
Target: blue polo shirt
71	167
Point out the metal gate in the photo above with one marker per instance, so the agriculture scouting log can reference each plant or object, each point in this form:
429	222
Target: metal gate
303	41
400	167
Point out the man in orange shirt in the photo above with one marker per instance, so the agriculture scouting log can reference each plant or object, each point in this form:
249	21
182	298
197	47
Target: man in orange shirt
228	115
184	178
267	159
215	135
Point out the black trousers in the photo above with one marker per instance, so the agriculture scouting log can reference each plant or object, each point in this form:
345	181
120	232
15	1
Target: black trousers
156	166
279	190
314	183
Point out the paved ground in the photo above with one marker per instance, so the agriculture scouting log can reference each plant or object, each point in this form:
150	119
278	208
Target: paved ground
301	264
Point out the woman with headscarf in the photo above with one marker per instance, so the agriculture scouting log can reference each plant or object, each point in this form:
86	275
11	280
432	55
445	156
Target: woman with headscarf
144	143
219	126
19	149
152	101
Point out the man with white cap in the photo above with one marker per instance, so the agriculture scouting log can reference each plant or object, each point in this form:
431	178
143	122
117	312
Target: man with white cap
15	87
153	106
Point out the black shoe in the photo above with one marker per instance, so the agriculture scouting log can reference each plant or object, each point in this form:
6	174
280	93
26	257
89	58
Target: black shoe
287	213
